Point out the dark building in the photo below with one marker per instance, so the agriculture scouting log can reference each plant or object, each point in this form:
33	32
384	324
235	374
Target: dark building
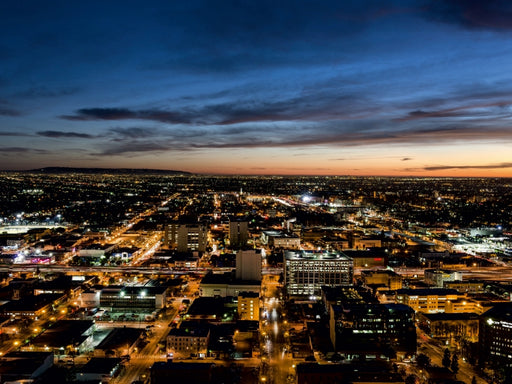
495	337
373	330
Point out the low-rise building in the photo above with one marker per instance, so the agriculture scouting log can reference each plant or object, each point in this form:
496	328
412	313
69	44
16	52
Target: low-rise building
428	300
450	326
183	342
384	278
438	277
249	306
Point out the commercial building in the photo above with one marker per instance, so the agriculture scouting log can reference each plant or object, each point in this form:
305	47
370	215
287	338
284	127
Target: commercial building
130	298
306	272
495	338
238	232
278	239
383	278
249	306
192	237
372	329
438	277
427	300
183	342
248	265
223	285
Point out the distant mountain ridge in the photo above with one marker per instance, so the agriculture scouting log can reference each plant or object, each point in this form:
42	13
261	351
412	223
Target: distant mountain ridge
115	171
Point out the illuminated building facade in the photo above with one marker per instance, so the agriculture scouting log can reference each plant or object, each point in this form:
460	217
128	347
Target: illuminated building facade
495	338
249	306
427	300
438	277
192	237
306	272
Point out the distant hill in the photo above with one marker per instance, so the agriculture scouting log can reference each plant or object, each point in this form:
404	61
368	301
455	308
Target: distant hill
114	171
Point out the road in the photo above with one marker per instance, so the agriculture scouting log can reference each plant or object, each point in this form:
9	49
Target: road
277	363
435	351
140	362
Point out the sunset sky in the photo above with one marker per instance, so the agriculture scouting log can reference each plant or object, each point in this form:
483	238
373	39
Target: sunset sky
258	87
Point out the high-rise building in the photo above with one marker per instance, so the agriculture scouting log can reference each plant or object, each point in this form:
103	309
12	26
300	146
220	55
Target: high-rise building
192	237
238	232
248	265
306	272
495	336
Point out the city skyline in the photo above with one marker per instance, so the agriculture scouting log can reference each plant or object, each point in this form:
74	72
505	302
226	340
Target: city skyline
330	88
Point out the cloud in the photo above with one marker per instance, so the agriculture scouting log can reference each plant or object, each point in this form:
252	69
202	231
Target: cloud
486	166
14	134
10	150
472	14
85	114
61	134
474	110
9	112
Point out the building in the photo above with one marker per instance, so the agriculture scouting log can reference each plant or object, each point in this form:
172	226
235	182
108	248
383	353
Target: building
99	370
469	286
427	300
248	265
495	338
224	285
306	272
368	258
24	367
278	239
372	330
184	342
238	232
438	277
65	337
129	298
249	306
383	278
192	237
119	342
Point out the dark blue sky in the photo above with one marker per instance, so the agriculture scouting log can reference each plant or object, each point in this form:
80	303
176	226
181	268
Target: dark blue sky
271	87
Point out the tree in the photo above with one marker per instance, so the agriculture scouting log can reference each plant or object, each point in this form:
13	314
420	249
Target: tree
446	358
423	360
455	363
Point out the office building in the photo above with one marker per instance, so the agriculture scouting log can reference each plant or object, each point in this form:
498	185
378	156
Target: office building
238	232
248	265
306	272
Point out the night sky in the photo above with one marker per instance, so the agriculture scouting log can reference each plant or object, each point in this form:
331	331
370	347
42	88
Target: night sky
258	87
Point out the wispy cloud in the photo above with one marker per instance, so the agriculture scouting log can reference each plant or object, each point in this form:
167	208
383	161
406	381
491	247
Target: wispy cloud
4	111
485	166
472	14
14	134
62	134
11	150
